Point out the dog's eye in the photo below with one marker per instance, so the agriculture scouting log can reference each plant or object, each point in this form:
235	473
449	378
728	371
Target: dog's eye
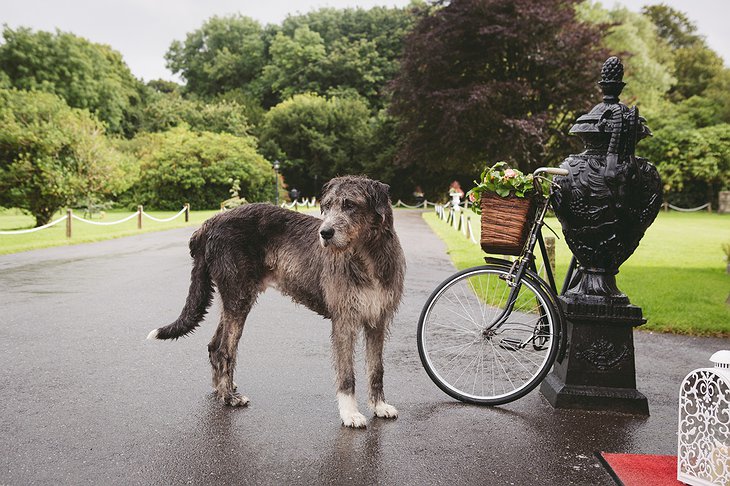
347	204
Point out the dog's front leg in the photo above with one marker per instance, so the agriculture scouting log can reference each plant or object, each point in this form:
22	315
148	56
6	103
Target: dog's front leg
374	340
344	335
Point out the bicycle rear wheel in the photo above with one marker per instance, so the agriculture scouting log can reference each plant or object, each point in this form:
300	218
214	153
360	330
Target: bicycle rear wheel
475	363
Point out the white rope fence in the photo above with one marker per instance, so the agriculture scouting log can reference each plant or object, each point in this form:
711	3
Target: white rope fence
105	223
70	216
33	230
165	220
707	206
305	203
422	205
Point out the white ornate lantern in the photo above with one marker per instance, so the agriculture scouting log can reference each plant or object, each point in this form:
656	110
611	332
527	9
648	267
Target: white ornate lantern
703	453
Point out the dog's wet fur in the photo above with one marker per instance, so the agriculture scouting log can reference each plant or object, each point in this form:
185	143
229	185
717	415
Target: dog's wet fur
348	267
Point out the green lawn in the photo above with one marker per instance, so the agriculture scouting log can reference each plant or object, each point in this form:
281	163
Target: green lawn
677	275
13	219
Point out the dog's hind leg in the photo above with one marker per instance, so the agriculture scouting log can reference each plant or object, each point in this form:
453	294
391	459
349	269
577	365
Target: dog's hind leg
374	340
344	336
222	352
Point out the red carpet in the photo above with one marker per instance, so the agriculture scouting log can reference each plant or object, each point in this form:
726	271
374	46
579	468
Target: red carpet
641	469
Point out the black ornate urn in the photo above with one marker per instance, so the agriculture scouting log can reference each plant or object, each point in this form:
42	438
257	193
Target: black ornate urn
610	197
605	204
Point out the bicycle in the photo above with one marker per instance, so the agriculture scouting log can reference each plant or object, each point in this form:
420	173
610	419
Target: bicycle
488	335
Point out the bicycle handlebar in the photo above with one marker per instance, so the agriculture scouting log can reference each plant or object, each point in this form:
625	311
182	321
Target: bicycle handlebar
551	170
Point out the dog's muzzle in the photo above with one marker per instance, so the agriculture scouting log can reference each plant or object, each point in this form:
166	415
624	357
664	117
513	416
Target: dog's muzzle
325	235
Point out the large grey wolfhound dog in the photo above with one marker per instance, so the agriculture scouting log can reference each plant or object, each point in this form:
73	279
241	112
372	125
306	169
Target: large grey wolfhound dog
348	267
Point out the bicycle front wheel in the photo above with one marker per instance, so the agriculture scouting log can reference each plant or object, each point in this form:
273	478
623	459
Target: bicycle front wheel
484	341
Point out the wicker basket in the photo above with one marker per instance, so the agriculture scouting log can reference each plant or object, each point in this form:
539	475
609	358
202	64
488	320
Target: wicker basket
505	223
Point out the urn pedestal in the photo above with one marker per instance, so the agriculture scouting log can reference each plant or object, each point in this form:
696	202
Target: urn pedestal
604	205
598	371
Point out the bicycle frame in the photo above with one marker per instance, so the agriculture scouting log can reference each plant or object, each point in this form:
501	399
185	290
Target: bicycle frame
525	263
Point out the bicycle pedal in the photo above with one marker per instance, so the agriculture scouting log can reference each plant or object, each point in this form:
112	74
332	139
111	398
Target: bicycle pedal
510	344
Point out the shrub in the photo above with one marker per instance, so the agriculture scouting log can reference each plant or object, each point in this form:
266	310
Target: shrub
180	166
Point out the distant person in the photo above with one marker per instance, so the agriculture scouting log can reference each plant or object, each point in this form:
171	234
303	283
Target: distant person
455	193
294	194
418	195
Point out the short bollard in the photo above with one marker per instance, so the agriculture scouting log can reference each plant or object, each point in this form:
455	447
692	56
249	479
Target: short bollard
69	217
550	250
139	217
187	212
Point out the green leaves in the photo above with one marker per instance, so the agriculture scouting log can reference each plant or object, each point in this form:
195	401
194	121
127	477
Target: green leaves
85	74
179	166
318	138
503	181
224	54
52	155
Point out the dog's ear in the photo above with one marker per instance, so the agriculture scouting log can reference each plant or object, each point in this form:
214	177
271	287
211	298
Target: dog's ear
381	198
325	188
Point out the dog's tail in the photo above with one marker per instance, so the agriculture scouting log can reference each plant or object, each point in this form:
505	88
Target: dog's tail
200	294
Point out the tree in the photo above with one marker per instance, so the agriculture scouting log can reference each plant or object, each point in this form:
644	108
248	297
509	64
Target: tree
179	166
363	47
695	64
672	25
326	51
295	63
224	54
164	86
647	60
53	156
317	138
694	162
696	67
85	74
489	80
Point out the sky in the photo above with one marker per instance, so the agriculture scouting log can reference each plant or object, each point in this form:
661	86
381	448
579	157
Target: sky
142	30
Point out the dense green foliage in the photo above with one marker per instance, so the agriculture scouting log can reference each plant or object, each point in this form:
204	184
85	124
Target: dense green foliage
53	156
414	96
224	54
167	110
319	138
179	166
85	74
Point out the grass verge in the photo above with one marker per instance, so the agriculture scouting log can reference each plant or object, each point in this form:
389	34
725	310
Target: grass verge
677	275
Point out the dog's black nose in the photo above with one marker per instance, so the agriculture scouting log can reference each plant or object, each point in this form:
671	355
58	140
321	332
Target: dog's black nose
327	233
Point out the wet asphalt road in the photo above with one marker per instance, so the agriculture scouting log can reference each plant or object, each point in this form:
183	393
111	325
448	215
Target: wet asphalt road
86	399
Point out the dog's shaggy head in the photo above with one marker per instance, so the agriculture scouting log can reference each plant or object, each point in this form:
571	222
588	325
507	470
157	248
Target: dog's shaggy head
353	207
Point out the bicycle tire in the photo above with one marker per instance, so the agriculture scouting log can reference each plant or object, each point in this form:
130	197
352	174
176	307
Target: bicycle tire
454	340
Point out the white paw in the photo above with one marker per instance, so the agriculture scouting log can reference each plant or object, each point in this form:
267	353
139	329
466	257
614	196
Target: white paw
383	410
356	420
238	400
349	413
